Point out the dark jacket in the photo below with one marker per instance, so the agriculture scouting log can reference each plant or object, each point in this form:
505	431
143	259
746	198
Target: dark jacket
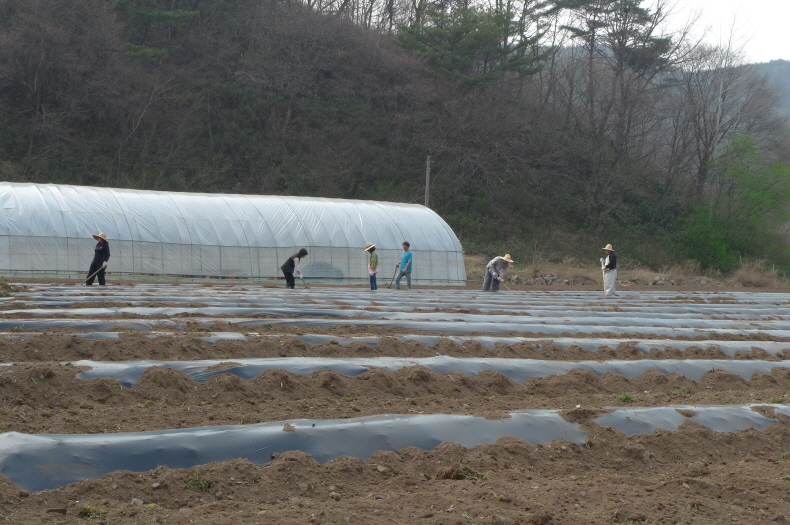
612	264
102	252
289	266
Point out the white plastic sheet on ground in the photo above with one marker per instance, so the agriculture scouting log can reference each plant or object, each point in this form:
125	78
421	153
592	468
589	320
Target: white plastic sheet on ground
45	230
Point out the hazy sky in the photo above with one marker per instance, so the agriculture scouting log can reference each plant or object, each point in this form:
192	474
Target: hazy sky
760	25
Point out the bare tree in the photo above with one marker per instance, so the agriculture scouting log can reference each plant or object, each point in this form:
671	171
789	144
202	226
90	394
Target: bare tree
610	89
51	55
722	97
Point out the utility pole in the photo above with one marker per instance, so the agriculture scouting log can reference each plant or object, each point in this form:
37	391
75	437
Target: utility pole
427	180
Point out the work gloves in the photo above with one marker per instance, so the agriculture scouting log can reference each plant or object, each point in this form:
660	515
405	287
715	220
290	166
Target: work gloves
104	264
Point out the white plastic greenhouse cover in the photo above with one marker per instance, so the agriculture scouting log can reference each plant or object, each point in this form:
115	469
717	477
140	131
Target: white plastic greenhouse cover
46	229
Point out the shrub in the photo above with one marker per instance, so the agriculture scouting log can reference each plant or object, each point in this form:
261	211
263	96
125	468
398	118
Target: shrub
198	482
625	398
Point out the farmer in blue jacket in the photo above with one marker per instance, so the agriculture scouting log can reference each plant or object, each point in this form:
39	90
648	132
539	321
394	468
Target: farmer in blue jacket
405	266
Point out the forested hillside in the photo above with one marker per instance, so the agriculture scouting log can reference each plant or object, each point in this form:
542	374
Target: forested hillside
550	125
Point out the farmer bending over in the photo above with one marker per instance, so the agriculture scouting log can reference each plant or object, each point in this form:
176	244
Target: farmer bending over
495	272
292	265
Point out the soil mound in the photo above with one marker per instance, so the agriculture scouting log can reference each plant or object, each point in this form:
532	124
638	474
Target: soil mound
691	475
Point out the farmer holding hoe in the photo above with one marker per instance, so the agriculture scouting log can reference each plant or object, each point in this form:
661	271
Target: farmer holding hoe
101	254
495	272
292	265
405	266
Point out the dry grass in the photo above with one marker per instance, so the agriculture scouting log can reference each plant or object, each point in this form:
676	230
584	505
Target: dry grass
688	270
645	275
475	266
756	274
577	275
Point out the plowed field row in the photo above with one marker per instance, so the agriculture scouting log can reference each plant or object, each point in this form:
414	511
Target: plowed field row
644	381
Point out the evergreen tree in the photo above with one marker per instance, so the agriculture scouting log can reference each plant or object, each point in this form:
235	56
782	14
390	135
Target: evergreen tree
473	44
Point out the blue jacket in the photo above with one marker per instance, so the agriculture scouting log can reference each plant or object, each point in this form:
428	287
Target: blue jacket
406	258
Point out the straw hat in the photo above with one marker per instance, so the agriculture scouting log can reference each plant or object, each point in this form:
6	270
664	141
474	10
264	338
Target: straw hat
100	237
369	245
608	247
507	258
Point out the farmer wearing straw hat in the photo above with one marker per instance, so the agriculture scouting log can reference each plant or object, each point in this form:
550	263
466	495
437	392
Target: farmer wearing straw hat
495	272
373	264
101	254
609	267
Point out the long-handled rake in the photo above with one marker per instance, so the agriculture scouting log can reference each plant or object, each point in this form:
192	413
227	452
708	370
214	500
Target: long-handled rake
91	276
304	281
393	276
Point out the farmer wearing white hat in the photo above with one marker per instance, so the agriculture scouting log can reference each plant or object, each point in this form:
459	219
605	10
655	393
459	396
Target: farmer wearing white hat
609	268
101	254
495	272
373	264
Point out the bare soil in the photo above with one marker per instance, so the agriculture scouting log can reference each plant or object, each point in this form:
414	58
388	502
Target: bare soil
692	475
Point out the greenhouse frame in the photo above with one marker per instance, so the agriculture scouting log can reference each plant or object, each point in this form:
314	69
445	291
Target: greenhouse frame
46	231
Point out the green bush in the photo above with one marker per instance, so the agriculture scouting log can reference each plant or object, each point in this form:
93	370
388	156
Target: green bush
705	239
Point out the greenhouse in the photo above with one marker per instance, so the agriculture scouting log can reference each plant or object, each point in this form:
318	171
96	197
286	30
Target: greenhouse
46	231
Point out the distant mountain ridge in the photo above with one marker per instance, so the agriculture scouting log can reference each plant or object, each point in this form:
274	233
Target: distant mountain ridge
779	72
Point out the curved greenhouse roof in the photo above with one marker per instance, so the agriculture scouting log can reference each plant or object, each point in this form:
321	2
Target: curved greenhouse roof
45	229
